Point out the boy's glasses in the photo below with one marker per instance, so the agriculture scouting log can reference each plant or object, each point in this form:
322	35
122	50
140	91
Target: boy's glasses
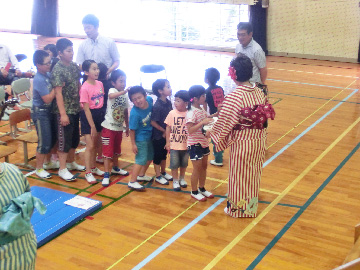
46	64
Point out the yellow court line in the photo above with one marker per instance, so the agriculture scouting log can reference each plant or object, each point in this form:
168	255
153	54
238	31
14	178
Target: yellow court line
310	72
318	109
270	191
155	233
276	201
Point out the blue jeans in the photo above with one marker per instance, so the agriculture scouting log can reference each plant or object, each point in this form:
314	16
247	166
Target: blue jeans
45	125
218	155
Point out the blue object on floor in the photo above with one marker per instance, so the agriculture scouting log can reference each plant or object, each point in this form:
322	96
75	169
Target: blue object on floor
59	216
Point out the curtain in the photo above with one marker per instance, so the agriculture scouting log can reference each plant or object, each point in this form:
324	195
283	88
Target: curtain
45	18
359	53
258	20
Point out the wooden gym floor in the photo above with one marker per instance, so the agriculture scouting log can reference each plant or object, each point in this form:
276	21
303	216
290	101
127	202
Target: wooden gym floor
309	198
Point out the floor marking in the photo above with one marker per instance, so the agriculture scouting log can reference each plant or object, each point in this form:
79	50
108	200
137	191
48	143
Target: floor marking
312	84
269	191
280	197
30	173
320	98
316	73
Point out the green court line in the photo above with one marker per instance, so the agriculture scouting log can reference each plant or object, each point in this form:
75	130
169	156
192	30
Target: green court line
278	100
51	182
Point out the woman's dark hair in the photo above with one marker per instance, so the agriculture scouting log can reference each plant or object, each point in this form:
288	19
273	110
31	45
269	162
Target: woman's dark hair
183	94
116	74
243	67
39	57
212	75
87	64
51	48
195	91
136	89
159	84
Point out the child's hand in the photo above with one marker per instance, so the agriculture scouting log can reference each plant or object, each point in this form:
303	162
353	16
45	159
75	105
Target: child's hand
207	134
127	132
167	147
135	149
64	120
219	107
164	134
207	121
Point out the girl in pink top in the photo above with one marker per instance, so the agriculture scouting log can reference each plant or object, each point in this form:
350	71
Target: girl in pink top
197	143
91	117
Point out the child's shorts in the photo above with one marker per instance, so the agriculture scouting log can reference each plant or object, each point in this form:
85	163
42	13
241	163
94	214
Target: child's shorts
145	152
98	117
68	136
197	152
160	152
178	158
111	141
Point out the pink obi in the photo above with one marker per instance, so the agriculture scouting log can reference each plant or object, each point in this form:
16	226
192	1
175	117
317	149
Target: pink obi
256	117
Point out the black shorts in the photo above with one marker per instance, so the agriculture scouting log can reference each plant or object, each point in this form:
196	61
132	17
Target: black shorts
197	152
160	152
68	136
98	117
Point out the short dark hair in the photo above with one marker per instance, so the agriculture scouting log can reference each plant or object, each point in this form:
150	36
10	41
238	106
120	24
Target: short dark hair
102	71
183	94
51	48
195	91
159	84
245	26
136	89
62	44
39	57
87	64
212	75
116	74
91	19
243	67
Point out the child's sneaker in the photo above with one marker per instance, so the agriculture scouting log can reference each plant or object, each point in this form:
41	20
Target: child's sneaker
144	178
176	185
206	193
136	186
198	197
106	181
212	162
97	171
73	166
52	165
66	175
42	173
226	210
167	176
90	178
161	180
117	170
183	183
99	159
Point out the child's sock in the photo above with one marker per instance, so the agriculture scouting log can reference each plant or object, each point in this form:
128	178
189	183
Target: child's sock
195	192
107	175
202	189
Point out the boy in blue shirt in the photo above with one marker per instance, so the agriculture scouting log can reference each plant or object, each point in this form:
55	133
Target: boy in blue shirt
140	135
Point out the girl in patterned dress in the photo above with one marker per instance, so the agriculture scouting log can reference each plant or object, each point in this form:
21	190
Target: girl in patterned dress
242	126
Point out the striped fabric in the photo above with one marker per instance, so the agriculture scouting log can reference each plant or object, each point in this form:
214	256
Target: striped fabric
195	116
19	254
247	150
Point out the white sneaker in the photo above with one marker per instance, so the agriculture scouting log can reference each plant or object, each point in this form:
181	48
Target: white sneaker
42	173
144	178
167	176
135	185
183	183
97	171
99	159
66	175
198	197
161	180
52	165
176	186
73	166
226	210
116	170
207	194
212	162
105	182
90	178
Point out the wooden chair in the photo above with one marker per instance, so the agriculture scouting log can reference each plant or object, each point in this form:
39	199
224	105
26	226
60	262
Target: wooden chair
18	117
21	87
30	137
5	151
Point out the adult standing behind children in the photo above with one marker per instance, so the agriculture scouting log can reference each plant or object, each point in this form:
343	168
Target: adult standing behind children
253	50
96	47
66	81
161	88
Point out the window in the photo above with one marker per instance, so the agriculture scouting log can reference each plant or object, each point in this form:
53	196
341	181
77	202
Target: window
16	15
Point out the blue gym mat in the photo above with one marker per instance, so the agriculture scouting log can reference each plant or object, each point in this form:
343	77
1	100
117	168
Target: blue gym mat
58	216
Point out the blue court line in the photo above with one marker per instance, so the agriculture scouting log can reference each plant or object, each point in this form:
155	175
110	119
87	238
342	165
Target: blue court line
307	130
301	210
312	84
176	236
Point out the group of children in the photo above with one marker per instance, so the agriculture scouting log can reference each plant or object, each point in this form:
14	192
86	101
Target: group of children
154	129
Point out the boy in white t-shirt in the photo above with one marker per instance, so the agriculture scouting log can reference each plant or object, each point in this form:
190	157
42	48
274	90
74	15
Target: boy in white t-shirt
116	115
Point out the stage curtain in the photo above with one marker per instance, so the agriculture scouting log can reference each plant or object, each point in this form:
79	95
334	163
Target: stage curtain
258	16
45	18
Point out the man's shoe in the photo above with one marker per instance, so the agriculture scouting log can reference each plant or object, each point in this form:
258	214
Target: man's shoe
73	166
135	186
116	170
42	173
212	162
66	175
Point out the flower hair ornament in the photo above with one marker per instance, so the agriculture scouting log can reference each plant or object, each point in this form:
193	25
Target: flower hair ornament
232	73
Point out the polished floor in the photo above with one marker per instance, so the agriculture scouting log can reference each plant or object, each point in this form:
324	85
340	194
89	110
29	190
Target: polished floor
309	197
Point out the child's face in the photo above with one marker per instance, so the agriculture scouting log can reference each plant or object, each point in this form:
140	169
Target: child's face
67	55
166	91
180	104
139	100
202	99
120	83
93	72
45	66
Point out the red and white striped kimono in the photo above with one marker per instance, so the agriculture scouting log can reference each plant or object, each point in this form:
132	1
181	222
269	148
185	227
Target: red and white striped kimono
247	150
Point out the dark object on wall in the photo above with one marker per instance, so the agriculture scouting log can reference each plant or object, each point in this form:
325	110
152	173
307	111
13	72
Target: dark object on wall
45	18
258	16
359	53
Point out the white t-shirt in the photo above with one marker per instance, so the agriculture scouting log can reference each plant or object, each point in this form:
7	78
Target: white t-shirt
114	117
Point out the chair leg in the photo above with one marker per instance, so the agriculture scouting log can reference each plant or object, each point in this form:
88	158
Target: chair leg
7	159
26	158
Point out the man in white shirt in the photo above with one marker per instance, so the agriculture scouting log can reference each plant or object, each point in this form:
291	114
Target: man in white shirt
6	56
96	47
248	46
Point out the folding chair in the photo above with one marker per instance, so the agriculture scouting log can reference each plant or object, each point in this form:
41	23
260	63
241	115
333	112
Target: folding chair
149	74
5	151
30	137
4	111
22	87
17	117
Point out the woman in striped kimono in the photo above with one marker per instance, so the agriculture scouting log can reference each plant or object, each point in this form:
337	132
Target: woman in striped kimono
242	127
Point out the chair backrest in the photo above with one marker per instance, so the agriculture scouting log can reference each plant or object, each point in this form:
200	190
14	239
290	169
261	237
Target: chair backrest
2	94
19	116
20	86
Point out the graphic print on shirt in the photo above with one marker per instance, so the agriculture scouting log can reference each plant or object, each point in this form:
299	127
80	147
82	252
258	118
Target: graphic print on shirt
145	121
218	96
98	96
118	109
178	130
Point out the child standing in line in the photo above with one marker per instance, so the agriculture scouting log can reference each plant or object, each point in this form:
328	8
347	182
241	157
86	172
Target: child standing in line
197	143
91	117
113	125
214	97
161	88
140	135
176	139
